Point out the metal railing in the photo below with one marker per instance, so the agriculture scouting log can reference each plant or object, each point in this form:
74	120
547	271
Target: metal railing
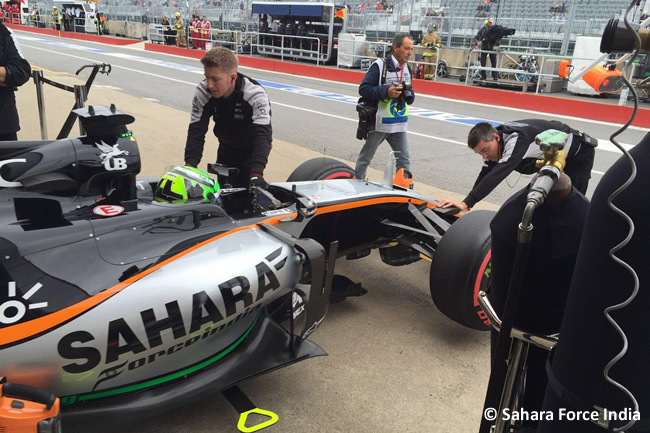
14	18
288	46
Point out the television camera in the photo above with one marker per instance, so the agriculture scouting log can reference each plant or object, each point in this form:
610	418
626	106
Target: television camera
497	32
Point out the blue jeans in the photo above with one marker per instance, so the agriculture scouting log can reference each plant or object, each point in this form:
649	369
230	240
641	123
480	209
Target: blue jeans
398	142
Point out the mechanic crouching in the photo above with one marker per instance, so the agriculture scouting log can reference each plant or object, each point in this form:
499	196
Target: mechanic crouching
511	147
241	112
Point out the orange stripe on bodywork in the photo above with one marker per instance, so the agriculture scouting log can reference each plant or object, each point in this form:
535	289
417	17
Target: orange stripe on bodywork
34	327
29	329
370	202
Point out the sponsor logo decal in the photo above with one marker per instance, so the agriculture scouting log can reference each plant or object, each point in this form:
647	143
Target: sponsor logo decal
109	156
5	183
231	190
108	210
15	308
126	351
196	106
277	212
297	304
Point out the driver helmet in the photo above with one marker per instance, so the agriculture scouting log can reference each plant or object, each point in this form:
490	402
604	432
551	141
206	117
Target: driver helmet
180	184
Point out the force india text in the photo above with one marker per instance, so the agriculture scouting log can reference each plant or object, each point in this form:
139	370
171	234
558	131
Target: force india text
564	414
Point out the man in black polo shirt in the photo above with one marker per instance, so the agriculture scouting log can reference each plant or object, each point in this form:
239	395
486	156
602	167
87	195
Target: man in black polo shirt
241	111
511	147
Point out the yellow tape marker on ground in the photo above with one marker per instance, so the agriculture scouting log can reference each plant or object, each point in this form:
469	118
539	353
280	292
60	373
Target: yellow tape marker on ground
241	425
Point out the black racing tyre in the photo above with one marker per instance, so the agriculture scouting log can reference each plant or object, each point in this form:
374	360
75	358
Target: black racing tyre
322	169
461	267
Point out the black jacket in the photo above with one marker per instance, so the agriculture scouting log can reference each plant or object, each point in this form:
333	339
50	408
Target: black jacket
372	91
482	36
519	153
18	72
242	123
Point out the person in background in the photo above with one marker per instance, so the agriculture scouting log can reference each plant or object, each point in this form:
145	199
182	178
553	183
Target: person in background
195	32
99	22
431	43
241	111
289	32
167	30
14	72
485	44
562	13
34	16
301	32
385	92
264	29
56	18
554	10
205	32
179	25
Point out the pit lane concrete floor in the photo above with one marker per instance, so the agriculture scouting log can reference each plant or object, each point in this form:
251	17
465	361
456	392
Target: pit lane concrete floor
395	363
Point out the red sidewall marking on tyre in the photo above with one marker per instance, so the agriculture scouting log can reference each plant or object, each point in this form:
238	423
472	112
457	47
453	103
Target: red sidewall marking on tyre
340	175
477	283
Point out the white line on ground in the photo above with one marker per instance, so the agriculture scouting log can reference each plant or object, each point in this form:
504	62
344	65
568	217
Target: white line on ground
487	106
602	144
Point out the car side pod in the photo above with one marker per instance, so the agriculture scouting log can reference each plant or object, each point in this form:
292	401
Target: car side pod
26	409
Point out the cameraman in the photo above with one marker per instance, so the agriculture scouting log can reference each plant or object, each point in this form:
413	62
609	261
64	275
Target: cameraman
387	86
484	43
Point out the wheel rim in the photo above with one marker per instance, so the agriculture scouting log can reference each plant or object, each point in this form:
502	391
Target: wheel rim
442	70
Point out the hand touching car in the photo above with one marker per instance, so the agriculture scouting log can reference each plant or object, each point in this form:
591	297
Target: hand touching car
448	203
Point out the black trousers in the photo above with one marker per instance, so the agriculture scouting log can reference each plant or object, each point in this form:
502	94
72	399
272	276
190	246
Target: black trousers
493	62
11	136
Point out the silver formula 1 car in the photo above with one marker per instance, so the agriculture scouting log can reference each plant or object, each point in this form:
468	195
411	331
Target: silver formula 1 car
114	303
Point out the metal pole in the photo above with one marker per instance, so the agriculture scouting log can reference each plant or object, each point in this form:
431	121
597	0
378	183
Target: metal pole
450	21
398	21
40	99
513	382
569	24
80	96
